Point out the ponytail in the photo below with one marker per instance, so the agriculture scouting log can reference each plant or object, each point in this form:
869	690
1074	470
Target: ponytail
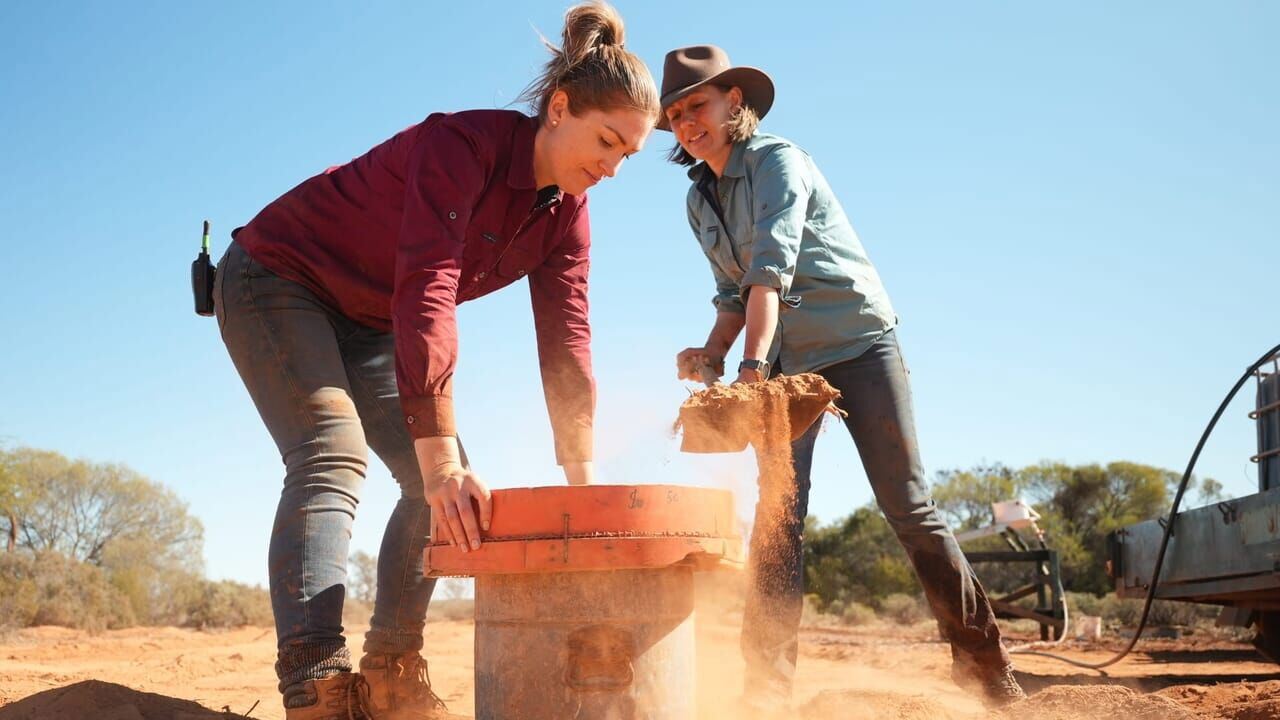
592	66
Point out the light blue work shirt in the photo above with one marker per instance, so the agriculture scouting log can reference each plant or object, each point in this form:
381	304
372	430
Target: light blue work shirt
781	226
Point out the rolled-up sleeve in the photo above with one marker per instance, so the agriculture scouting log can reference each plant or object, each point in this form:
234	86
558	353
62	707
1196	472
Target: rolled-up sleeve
558	288
782	184
446	175
727	298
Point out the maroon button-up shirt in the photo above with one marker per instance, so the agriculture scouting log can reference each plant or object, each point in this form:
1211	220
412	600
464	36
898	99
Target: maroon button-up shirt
444	212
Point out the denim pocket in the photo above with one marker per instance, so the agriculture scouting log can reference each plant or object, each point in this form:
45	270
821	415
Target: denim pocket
253	269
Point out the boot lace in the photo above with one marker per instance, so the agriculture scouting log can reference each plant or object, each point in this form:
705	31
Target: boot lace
418	667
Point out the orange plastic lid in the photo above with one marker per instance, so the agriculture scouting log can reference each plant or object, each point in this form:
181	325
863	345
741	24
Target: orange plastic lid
596	527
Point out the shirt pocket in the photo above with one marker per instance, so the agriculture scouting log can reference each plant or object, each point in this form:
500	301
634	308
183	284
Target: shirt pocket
710	238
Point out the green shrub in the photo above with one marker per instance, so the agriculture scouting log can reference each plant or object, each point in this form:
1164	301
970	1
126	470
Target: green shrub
1127	612
457	609
903	609
856	613
77	595
19	595
1085	604
813	614
227	603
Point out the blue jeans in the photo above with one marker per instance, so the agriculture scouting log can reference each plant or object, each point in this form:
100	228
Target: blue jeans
876	394
325	387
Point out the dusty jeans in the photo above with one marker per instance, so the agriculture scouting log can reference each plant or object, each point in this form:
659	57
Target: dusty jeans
326	388
876	394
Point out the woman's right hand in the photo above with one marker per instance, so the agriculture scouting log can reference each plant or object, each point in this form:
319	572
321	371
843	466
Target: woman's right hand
451	490
690	359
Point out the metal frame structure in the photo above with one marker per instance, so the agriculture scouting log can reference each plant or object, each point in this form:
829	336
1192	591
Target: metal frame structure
1046	583
1225	554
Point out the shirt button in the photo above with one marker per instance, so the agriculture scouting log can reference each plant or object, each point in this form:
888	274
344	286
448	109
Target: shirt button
482	276
409	419
520	273
453	215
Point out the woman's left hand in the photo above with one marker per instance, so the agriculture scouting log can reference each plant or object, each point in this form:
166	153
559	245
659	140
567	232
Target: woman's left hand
579	473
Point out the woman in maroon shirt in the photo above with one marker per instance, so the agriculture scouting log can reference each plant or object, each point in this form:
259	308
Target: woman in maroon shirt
337	305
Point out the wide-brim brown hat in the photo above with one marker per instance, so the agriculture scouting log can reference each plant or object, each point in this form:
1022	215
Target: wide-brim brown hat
689	68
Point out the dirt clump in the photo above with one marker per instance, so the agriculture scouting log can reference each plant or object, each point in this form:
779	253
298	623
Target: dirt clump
1086	702
106	701
872	705
767	415
1234	701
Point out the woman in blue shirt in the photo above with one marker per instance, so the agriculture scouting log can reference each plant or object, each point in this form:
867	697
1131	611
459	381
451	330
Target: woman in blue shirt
790	270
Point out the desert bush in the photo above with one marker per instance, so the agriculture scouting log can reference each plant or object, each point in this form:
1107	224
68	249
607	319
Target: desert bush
855	613
903	609
356	611
815	613
1126	613
856	558
1084	603
19	595
226	603
75	594
458	609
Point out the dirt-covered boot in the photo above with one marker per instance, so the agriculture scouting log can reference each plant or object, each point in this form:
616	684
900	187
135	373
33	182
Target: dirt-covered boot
337	697
995	687
400	689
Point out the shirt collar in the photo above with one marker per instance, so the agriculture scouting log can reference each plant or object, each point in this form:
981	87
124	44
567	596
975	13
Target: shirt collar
520	171
736	167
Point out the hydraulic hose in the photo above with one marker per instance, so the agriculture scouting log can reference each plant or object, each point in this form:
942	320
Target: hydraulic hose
1168	529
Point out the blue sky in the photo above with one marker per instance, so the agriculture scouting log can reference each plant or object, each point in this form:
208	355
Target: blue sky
1073	206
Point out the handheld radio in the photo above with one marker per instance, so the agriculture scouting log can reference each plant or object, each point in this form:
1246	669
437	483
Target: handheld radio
202	272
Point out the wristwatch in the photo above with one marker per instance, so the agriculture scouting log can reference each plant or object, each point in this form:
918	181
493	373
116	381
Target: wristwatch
760	366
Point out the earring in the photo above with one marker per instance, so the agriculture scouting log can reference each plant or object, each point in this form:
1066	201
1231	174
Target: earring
555	123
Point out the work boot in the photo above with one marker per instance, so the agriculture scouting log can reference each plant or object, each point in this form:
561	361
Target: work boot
400	689
996	688
337	697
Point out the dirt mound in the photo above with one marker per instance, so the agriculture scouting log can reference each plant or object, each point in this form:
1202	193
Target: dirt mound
1086	702
872	705
106	701
1234	701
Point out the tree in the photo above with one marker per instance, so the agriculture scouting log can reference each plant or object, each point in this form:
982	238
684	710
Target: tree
9	495
18	494
107	515
81	508
362	580
1079	505
965	496
857	558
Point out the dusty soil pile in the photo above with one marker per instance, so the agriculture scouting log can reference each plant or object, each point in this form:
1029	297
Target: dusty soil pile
106	701
1086	702
1236	701
872	705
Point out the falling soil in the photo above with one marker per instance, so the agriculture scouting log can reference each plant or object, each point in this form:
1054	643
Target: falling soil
1237	701
1086	702
106	701
872	705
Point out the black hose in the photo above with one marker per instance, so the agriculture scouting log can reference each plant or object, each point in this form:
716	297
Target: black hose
1168	529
